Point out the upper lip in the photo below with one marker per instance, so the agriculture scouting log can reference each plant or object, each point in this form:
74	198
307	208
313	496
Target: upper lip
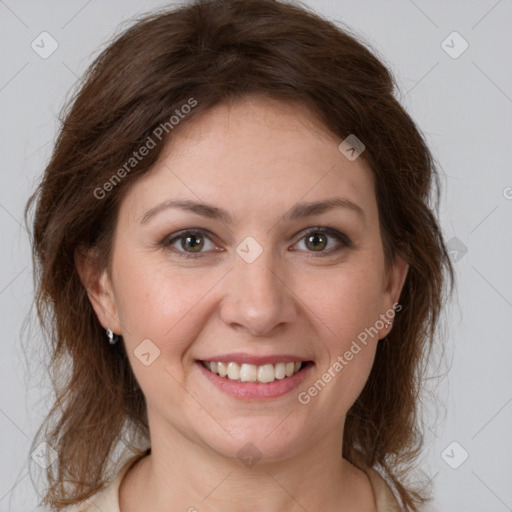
241	358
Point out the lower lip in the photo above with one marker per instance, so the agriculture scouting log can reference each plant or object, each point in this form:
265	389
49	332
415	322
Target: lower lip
253	390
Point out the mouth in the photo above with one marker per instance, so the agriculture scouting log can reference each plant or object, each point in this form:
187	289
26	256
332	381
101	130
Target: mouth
247	381
245	372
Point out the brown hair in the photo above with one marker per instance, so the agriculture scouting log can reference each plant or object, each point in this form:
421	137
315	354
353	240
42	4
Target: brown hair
212	52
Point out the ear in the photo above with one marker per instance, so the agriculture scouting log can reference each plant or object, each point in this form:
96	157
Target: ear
98	285
392	288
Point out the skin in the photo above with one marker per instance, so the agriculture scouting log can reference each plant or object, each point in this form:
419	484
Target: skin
256	158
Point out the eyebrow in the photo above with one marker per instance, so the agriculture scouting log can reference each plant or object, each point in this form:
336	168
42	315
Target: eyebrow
298	212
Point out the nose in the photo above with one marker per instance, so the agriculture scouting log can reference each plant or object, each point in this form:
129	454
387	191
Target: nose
259	296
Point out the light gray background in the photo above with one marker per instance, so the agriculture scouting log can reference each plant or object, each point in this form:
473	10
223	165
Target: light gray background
464	107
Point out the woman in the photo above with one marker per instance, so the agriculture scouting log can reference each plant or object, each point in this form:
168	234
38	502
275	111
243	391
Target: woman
237	255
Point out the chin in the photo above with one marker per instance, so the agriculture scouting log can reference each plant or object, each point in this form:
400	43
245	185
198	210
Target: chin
256	441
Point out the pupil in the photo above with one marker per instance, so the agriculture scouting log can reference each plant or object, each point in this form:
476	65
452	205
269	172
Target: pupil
193	241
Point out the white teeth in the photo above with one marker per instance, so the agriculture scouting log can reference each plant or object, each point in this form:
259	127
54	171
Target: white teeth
266	373
251	373
248	373
233	371
222	369
280	371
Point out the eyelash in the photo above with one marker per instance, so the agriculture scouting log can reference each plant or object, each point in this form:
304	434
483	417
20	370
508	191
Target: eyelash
341	237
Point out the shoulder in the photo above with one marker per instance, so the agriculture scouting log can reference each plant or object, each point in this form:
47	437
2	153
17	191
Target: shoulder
107	500
384	497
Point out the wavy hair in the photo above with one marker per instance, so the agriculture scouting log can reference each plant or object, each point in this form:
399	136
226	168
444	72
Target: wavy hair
217	51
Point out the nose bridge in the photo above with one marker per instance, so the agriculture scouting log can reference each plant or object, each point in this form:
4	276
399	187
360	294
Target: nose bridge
259	277
257	296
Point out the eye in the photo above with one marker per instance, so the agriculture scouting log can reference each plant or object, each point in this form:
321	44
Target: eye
318	240
190	244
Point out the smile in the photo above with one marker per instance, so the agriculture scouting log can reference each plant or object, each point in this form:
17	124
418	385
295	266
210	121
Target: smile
262	374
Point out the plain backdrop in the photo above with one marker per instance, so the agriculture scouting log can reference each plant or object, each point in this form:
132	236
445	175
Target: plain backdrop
457	87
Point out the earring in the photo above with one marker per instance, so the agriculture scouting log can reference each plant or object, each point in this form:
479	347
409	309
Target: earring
113	338
388	324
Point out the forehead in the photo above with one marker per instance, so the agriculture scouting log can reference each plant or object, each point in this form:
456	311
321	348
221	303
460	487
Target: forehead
259	128
257	153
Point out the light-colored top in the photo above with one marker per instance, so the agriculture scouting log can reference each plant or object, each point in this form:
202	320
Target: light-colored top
108	499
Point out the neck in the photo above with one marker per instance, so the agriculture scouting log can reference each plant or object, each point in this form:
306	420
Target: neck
190	477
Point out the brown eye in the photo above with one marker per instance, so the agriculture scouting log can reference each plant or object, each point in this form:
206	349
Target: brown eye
316	241
323	241
193	242
190	244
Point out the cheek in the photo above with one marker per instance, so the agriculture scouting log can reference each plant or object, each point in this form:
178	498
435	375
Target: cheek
160	302
346	302
346	306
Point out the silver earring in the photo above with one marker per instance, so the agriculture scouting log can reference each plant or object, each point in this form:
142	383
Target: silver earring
112	337
388	324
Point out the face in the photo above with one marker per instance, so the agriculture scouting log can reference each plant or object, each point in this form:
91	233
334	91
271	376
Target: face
257	280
